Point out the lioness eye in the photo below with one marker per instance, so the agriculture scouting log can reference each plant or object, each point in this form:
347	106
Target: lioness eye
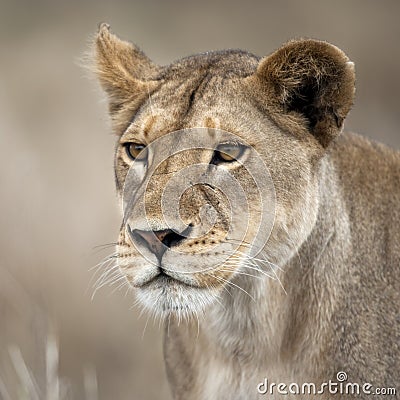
227	152
136	151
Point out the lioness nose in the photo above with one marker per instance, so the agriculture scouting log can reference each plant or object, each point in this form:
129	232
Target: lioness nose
157	241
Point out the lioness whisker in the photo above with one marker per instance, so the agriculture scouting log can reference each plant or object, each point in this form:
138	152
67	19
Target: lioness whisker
229	283
111	281
272	270
97	249
121	285
110	277
240	273
261	260
106	274
111	257
244	264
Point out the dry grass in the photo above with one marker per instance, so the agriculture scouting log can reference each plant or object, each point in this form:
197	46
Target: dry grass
26	386
42	380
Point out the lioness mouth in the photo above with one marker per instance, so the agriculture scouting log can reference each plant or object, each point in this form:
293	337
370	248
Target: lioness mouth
163	280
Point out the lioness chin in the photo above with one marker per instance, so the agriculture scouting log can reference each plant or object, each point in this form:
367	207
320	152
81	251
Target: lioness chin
268	239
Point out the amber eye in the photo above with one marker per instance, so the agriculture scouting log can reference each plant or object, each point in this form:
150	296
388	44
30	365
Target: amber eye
136	151
227	152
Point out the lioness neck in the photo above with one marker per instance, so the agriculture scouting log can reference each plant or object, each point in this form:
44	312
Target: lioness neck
275	327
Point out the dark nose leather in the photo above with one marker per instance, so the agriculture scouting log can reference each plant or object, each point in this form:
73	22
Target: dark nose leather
157	241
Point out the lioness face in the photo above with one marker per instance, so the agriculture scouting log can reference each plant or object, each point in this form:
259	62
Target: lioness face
215	171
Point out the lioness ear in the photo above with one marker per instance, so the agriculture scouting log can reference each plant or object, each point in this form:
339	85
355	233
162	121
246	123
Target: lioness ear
125	73
313	81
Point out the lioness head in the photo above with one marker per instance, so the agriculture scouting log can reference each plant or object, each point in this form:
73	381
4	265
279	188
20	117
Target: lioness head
216	162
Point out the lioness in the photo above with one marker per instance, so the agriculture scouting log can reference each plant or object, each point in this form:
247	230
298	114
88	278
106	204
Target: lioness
310	290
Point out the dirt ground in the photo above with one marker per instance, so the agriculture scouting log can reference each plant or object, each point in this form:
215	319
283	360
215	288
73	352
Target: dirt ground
57	192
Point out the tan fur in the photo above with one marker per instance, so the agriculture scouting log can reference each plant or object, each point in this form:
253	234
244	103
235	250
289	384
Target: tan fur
336	237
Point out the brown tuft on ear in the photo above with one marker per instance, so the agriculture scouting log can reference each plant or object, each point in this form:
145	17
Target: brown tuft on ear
310	81
125	73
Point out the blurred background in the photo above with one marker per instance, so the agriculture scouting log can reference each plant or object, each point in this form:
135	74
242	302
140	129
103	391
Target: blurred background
57	192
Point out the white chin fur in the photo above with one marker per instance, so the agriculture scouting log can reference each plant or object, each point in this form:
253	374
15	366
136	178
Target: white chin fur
166	297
